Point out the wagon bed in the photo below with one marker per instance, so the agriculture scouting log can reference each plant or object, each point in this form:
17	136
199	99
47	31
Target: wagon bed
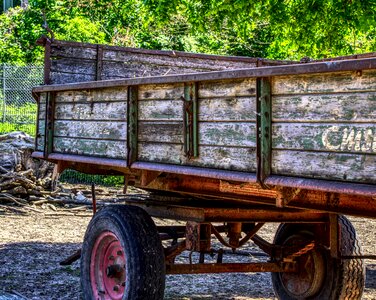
273	141
316	130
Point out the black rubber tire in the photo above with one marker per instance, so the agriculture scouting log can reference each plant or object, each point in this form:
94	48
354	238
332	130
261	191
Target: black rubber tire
343	279
137	233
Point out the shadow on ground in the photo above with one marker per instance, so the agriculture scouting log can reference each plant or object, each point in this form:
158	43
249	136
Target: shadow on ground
32	269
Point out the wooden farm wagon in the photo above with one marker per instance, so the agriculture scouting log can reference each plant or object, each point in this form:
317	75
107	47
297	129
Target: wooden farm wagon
224	143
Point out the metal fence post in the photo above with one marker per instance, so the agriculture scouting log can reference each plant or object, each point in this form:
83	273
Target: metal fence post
4	97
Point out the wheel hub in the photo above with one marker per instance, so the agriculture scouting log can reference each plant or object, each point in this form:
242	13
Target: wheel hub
311	272
108	267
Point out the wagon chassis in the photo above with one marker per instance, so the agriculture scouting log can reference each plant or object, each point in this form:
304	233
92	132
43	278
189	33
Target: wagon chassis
191	194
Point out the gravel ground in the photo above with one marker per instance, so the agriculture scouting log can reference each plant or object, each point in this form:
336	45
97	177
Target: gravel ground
31	245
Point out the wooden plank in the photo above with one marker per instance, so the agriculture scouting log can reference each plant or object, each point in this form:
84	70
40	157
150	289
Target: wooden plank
108	94
42	98
227	158
228	134
178	62
215	109
325	83
227	109
134	69
161	132
91	129
161	91
41	111
114	111
100	148
324	165
40	143
224	134
325	137
78	52
160	110
61	78
357	107
74	66
41	126
227	88
124	55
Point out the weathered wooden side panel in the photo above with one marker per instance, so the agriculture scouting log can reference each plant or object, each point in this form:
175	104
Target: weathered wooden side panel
324	126
325	83
228	158
72	62
88	122
226	125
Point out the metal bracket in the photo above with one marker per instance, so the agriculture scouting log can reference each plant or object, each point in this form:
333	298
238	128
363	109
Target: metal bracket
98	73
190	120
132	124
49	124
264	129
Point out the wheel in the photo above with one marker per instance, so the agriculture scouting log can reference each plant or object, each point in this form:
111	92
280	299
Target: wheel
320	276
122	256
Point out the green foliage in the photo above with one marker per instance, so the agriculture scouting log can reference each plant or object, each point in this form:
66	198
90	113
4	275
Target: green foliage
19	118
282	29
264	28
72	176
10	127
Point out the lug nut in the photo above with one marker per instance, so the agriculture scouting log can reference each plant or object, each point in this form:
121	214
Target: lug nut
116	288
111	258
123	284
119	252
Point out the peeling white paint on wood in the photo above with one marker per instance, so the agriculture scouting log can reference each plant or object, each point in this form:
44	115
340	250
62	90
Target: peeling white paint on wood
325	83
226	158
160	110
161	91
227	109
325	137
111	111
325	165
92	95
100	148
227	88
91	129
356	107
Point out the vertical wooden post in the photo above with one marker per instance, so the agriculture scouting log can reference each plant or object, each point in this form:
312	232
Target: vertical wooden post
190	119
264	128
49	124
132	122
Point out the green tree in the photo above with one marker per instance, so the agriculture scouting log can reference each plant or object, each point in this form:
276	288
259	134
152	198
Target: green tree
291	29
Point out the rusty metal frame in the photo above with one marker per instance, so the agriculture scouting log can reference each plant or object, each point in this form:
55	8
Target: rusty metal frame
229	268
224	214
308	68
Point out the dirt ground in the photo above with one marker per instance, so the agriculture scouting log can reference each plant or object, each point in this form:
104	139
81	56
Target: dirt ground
32	244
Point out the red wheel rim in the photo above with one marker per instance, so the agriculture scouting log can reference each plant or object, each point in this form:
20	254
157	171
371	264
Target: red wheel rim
107	267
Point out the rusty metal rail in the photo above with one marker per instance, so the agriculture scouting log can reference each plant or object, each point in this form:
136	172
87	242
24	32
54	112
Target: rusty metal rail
309	68
229	268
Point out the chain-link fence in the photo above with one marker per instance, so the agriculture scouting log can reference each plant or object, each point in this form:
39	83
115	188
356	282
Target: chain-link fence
18	112
18	109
